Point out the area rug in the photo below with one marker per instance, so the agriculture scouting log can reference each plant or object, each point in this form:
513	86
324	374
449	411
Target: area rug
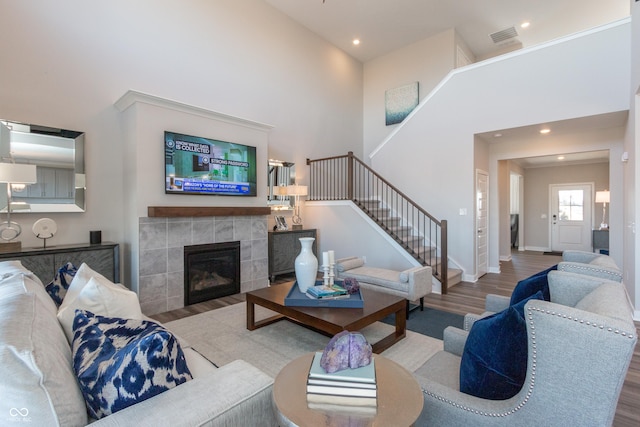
430	322
221	336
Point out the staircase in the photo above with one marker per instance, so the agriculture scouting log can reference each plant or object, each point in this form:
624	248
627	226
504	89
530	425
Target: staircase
415	230
405	236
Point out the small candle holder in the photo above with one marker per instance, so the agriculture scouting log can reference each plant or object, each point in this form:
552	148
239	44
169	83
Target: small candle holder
331	273
325	278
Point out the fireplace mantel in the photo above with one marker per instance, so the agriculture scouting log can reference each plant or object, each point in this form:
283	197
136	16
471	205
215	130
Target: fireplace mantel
193	211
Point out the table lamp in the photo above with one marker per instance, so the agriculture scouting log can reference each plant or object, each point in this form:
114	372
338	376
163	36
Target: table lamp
14	175
604	198
297	191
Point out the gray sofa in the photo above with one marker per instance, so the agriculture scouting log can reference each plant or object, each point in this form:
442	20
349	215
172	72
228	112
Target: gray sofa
39	385
579	348
412	284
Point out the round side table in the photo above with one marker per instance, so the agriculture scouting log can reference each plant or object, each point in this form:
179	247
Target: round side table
399	398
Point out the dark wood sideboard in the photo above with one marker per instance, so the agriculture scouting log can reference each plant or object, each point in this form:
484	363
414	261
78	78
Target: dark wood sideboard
284	247
103	258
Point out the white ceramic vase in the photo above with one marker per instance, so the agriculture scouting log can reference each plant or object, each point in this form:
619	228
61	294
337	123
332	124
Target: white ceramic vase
306	265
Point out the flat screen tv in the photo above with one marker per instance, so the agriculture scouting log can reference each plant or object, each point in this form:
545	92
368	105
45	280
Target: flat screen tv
197	165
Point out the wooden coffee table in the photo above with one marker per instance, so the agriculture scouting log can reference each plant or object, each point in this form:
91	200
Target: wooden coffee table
399	400
329	321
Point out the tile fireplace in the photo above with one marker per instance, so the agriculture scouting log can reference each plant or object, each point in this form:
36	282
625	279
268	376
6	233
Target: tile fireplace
161	273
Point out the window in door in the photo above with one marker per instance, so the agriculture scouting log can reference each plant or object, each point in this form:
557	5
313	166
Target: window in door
571	205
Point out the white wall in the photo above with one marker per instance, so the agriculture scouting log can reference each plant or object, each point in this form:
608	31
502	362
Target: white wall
427	61
344	228
547	83
66	63
632	169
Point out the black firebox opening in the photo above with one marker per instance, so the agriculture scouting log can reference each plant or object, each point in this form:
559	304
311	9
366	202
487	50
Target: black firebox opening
211	271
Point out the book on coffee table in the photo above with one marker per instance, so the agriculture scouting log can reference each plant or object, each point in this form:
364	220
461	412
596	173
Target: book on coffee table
327	291
333	402
342	391
364	374
344	388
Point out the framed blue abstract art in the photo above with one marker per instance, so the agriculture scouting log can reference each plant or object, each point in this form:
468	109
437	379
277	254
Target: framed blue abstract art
399	102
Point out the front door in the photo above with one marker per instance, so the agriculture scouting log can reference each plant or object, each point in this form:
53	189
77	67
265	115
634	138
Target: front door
571	217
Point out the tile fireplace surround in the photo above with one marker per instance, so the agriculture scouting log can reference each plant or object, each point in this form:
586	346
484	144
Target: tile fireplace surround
161	262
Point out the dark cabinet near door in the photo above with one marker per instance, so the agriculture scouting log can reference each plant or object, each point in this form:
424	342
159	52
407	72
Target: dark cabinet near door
284	247
600	240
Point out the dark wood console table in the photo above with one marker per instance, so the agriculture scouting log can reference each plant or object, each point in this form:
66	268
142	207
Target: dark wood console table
284	247
103	258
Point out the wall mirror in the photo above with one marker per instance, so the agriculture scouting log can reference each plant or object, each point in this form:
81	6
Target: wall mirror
59	158
281	174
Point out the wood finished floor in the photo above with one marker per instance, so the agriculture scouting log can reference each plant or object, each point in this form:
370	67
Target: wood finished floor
467	297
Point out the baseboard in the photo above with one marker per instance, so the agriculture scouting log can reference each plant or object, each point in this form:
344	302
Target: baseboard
537	249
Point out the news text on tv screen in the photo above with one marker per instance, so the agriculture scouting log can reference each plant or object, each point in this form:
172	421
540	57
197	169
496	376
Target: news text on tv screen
197	165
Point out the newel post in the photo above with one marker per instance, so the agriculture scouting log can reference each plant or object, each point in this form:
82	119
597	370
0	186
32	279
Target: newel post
350	175
444	257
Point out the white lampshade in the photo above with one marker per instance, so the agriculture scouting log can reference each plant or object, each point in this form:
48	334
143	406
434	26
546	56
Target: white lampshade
281	190
602	196
297	190
17	173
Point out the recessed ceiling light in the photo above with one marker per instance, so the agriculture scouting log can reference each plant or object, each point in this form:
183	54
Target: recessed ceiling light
525	24
497	135
356	42
560	157
545	131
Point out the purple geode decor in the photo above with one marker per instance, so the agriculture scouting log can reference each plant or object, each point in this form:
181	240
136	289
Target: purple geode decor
346	350
351	285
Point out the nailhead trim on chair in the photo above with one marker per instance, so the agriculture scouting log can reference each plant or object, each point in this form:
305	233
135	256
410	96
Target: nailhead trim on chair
524	401
592	269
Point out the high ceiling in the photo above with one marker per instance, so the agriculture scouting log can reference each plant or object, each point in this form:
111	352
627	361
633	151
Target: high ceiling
386	25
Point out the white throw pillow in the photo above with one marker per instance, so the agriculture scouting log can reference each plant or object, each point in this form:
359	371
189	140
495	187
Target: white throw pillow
102	297
82	277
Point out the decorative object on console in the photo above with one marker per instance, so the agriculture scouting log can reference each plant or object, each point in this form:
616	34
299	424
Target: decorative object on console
44	228
296	191
16	176
603	197
95	237
306	265
281	223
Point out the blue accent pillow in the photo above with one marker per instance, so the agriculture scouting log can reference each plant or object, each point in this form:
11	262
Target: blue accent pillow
120	362
57	288
529	286
494	360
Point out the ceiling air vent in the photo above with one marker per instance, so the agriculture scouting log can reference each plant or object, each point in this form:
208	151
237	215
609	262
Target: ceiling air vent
505	36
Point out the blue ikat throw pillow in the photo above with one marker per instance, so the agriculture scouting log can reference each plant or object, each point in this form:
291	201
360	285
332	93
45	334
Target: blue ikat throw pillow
120	362
57	288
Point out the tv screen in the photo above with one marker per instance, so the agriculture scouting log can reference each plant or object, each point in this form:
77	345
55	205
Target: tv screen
196	165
